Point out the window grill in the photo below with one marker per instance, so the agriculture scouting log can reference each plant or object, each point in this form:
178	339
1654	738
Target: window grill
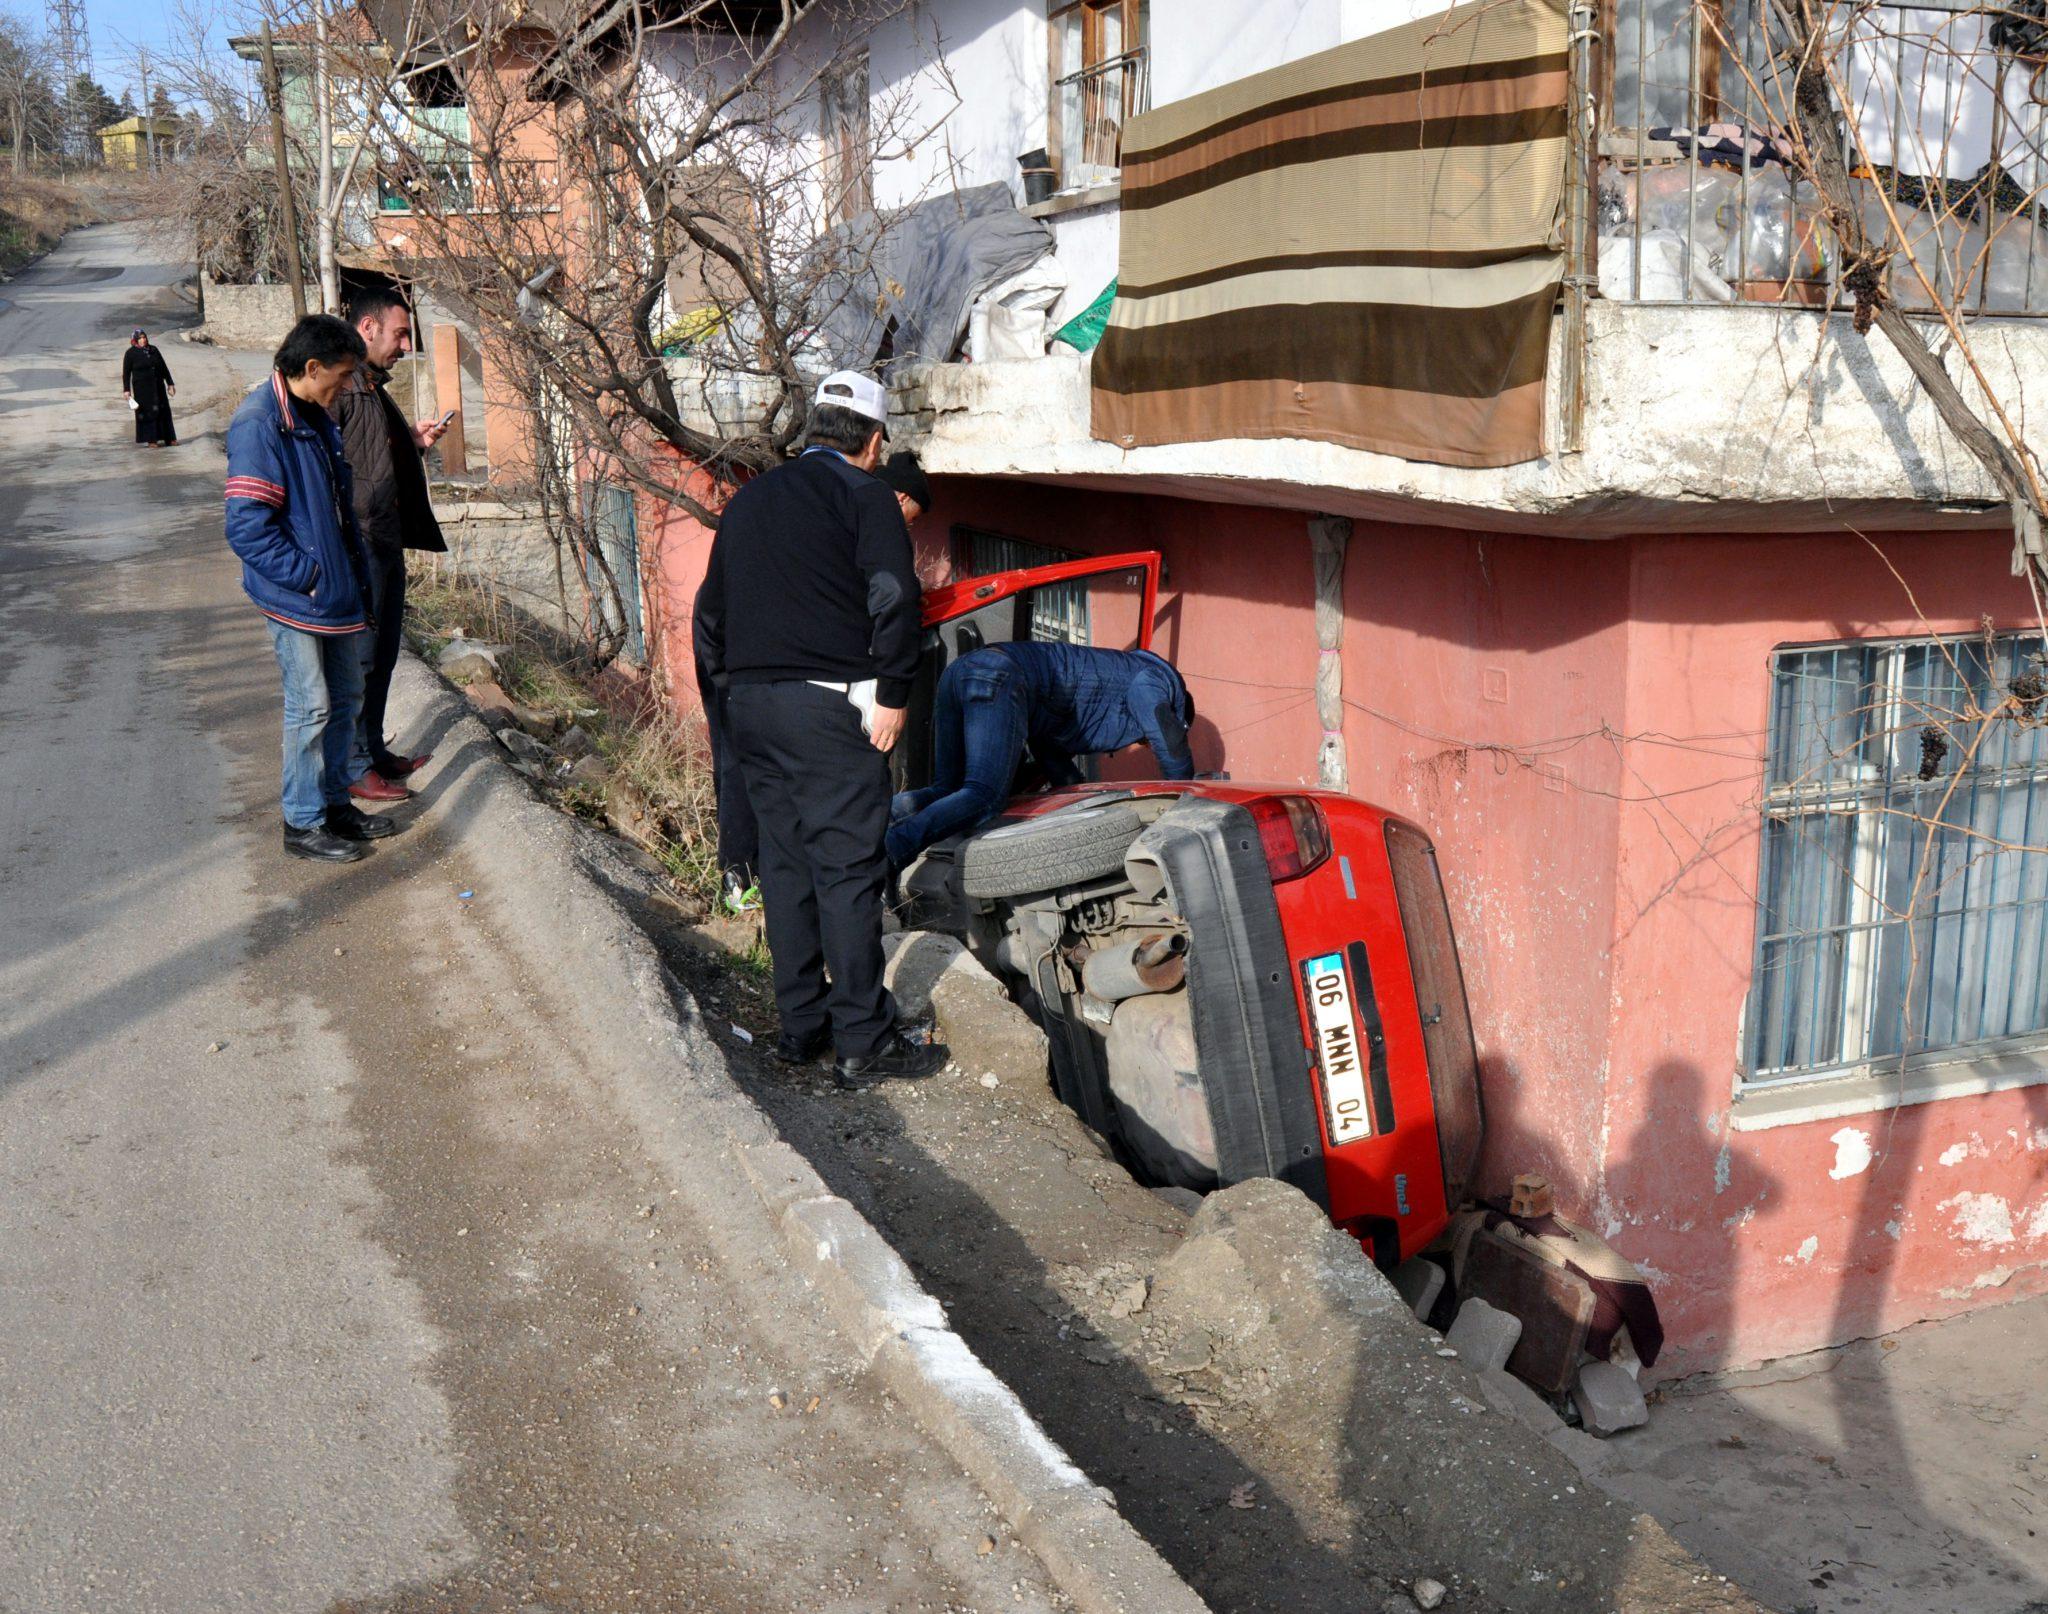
613	528
1903	896
1059	611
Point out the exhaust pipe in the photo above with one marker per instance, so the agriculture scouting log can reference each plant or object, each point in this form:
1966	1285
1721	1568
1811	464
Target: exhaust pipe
1158	964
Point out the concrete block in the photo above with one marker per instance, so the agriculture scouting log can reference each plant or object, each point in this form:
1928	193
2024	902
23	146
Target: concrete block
1419	1283
1608	1400
976	1017
1591	1457
1483	1335
872	1294
1511	1398
781	1176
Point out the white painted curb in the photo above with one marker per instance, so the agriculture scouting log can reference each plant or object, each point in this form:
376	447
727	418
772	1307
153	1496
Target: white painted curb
671	1077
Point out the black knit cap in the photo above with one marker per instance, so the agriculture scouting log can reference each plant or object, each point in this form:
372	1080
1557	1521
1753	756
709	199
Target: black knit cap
904	475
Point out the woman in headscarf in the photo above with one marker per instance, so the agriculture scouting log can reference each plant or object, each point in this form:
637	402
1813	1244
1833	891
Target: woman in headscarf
146	383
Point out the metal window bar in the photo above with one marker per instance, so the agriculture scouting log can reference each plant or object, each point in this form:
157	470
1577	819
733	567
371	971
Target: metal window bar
1853	964
1059	611
1122	83
612	525
1915	45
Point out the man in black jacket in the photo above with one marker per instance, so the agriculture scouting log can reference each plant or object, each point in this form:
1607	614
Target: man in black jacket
394	513
808	619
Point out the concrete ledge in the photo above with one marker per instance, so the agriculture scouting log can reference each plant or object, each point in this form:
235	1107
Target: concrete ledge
542	877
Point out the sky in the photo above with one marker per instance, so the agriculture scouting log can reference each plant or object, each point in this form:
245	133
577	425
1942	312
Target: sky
116	27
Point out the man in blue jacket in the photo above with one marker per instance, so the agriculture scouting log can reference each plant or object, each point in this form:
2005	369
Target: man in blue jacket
1063	701
290	519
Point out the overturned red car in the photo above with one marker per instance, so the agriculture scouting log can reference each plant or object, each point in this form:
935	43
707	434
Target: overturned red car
1235	980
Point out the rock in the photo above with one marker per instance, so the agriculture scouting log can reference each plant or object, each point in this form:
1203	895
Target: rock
1189	1354
1608	1400
469	658
542	726
525	748
1483	1335
1131	1299
590	770
1428	1593
1420	1282
575	743
630	816
1184	1200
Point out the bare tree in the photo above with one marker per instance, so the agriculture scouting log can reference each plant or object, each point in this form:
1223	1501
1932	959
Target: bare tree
654	213
1851	112
29	108
650	221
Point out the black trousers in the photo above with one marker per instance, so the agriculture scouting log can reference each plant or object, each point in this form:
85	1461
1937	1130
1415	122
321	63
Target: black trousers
380	649
820	791
739	835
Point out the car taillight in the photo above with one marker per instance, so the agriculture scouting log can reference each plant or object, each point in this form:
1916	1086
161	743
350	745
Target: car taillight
1294	833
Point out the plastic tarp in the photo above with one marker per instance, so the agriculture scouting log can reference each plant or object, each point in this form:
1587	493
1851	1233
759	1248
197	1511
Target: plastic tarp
898	286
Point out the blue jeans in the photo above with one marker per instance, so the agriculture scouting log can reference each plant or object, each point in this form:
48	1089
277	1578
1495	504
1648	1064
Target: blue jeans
978	732
323	691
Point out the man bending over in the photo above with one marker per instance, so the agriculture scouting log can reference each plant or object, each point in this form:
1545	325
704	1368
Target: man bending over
1063	701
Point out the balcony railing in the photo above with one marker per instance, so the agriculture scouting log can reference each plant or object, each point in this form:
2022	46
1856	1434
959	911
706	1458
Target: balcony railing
1697	203
1094	105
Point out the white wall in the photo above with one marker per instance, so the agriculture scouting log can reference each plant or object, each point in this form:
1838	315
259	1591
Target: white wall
982	108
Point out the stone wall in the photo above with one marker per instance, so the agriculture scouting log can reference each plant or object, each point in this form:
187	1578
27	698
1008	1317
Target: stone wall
504	546
255	317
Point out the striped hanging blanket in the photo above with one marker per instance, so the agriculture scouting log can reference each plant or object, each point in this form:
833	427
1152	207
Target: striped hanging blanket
1360	247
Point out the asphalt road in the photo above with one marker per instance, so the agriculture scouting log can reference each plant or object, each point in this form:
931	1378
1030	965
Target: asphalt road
326	1282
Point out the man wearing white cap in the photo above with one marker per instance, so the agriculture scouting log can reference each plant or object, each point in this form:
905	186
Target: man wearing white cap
808	620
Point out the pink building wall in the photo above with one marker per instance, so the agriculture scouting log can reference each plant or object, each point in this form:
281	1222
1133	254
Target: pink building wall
1580	726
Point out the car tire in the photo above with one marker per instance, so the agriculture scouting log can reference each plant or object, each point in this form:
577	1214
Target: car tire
1069	847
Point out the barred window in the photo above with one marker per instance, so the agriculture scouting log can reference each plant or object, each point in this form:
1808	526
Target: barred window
611	525
1059	611
1903	898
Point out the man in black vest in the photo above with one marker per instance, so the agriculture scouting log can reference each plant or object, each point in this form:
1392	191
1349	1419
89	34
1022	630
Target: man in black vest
809	619
395	514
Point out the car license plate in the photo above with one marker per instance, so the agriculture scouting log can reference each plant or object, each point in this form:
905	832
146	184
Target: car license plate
1327	986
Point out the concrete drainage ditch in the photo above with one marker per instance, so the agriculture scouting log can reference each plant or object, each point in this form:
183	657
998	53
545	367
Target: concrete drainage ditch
1261	1401
1263	1405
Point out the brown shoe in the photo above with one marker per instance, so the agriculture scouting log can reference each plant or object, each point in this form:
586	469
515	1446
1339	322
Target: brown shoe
373	786
397	767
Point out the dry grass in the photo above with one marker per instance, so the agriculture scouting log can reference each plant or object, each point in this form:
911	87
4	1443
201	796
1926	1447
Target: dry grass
659	770
36	210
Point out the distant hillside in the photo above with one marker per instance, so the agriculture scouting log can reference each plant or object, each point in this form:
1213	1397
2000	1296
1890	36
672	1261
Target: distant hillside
36	211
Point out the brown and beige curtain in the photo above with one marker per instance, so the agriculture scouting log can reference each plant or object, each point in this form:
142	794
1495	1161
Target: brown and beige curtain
1360	247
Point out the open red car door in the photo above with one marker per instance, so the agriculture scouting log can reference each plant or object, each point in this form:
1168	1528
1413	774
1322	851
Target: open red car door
1107	601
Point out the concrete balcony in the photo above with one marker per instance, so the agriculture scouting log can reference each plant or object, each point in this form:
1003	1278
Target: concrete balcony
1744	417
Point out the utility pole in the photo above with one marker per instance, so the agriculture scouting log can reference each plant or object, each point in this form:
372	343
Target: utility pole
148	111
281	155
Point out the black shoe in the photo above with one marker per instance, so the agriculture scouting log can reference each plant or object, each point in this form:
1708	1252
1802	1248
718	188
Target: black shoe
317	843
351	823
805	1050
900	1060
